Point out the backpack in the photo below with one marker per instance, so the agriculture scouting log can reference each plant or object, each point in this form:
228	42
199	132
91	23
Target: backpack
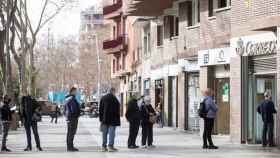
202	112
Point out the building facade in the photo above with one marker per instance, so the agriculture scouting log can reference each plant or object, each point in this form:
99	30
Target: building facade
181	47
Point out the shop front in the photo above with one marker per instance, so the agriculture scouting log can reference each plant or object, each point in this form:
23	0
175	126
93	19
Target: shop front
215	68
258	75
192	93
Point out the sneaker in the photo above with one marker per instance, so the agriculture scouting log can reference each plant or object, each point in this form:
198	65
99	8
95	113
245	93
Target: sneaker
104	149
144	146
73	150
112	149
133	147
39	149
28	149
205	147
5	150
213	147
151	146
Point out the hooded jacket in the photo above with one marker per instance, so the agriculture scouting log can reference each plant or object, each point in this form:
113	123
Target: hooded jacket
72	108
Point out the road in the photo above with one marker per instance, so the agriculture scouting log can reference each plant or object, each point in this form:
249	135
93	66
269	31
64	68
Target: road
170	144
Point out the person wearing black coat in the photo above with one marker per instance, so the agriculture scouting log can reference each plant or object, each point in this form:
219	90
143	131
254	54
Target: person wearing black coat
6	115
147	127
133	115
72	113
30	115
267	110
109	116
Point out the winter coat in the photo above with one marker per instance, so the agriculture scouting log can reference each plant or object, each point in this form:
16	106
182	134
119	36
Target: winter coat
6	113
29	106
72	108
109	110
267	109
146	109
210	107
133	112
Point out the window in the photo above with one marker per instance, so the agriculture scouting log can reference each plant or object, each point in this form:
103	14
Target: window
147	40
147	87
177	26
210	8
114	65
171	26
217	4
193	12
159	35
124	62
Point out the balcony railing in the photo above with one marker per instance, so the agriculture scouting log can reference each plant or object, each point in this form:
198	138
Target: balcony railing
112	8
111	44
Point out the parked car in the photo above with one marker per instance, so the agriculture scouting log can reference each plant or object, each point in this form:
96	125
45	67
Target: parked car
91	109
47	108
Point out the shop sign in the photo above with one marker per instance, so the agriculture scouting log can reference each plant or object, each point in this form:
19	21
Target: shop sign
189	65
217	56
254	49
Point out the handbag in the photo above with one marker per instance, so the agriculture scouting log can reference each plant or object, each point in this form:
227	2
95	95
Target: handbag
37	117
152	117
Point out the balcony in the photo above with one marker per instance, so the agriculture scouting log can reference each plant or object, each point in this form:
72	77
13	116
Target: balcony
116	45
113	10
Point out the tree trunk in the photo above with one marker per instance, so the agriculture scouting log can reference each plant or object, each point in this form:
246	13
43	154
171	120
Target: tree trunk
2	61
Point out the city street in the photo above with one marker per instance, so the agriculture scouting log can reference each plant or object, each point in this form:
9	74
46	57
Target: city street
170	144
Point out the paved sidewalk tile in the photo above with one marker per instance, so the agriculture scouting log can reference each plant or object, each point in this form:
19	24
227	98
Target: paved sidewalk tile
169	144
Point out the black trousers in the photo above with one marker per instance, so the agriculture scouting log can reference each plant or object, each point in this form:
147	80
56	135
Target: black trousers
147	134
207	133
268	128
72	126
133	132
34	126
54	118
6	126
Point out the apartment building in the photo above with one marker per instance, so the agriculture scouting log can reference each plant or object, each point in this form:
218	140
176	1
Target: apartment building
181	47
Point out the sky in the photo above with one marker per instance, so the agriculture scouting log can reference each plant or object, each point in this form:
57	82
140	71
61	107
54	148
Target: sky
67	22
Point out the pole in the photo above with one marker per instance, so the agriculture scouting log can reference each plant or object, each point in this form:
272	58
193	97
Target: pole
98	67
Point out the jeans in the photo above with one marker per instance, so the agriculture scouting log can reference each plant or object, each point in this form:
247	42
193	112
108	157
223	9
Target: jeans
72	126
207	133
34	126
133	132
111	131
268	127
6	126
147	134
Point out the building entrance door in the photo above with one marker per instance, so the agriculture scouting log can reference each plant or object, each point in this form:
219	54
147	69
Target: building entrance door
262	84
193	98
222	98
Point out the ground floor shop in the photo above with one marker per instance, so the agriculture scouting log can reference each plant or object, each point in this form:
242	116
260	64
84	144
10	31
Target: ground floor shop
215	74
258	74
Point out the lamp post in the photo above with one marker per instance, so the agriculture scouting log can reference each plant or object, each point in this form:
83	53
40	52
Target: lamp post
98	64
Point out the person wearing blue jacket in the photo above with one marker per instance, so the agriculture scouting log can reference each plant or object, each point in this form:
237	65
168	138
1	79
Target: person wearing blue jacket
209	120
267	110
72	113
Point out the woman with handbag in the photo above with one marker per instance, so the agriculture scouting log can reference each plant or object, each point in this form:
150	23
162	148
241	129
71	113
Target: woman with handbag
148	120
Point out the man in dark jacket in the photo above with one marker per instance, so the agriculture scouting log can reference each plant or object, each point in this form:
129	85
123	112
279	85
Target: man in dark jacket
30	108
133	115
6	114
109	116
267	110
72	113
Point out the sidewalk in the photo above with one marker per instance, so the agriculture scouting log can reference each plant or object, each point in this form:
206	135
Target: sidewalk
170	144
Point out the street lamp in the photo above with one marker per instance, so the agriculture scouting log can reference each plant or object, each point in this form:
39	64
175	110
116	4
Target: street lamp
98	64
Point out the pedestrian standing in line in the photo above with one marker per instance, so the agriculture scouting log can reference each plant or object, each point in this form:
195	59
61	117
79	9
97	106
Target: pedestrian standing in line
148	120
109	116
6	115
159	115
267	109
72	114
210	115
54	114
31	116
133	115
